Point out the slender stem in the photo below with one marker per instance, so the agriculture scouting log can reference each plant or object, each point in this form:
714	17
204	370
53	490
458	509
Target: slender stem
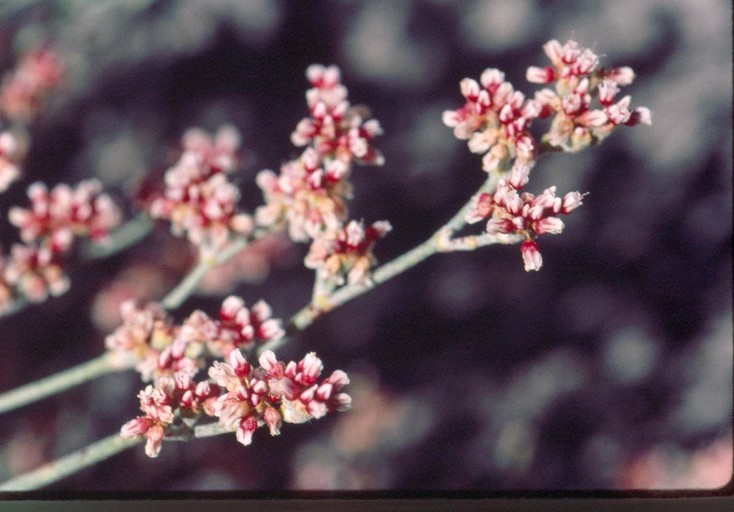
439	242
102	365
127	235
209	430
70	464
185	288
56	383
436	243
90	455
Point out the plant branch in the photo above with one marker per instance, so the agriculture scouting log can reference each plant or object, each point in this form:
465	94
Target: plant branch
70	464
127	235
439	242
102	365
57	383
90	455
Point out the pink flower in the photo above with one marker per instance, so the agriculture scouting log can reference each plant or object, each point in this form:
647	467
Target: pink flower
531	255
495	120
144	333
523	214
274	392
577	123
9	171
335	129
164	402
34	273
198	199
56	216
308	196
347	256
156	405
25	89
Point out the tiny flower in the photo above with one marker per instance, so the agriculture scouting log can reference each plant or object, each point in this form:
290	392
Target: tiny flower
274	392
571	201
578	79
56	216
347	255
552	225
198	198
531	255
480	209
273	420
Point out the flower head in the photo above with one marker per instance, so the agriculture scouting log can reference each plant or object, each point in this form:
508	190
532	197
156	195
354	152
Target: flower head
23	91
308	196
578	122
495	120
198	198
274	392
57	216
510	212
162	402
347	256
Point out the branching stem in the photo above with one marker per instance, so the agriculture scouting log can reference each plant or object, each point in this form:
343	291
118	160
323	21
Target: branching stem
439	242
57	383
53	471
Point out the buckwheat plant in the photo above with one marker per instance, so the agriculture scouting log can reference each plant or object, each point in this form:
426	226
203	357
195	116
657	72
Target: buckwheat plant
211	375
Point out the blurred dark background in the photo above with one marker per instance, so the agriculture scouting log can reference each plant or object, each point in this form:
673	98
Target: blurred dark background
611	368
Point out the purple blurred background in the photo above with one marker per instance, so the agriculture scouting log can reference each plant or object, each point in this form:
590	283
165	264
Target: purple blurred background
611	368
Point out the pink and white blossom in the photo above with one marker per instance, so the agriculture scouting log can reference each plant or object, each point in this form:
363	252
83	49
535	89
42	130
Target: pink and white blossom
509	212
577	121
198	199
346	256
24	91
495	120
308	196
274	392
58	215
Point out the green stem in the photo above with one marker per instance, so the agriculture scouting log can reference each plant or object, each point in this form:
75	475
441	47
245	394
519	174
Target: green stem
308	314
102	365
70	464
56	383
127	235
186	287
96	452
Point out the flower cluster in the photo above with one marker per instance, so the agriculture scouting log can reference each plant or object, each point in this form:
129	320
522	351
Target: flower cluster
198	198
57	216
308	196
274	392
48	228
578	79
158	347
243	398
523	214
335	129
23	91
169	399
495	121
348	254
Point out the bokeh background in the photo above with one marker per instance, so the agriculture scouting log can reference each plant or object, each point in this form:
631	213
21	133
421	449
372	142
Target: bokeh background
611	368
